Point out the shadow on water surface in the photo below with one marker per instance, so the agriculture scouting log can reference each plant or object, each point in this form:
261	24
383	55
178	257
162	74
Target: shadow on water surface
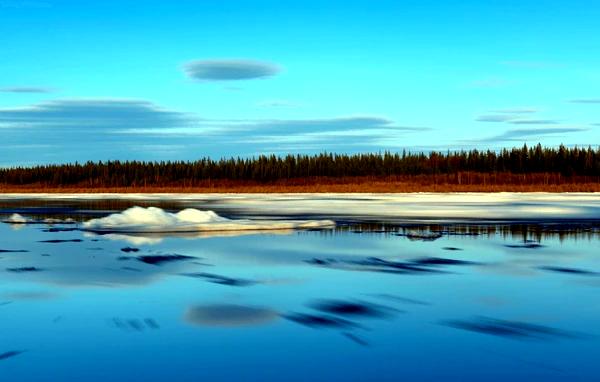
354	308
60	241
23	269
320	321
425	265
129	249
334	314
572	271
137	325
399	299
10	354
162	259
510	329
229	315
356	339
222	280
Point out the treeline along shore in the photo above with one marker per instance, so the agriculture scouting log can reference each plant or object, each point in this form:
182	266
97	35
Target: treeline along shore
552	169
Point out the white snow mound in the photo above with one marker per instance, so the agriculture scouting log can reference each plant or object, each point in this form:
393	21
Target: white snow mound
17	219
156	220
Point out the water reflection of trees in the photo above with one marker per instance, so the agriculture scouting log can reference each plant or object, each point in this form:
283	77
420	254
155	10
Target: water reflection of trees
515	231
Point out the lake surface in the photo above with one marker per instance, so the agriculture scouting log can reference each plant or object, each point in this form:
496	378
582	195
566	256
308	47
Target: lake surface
379	297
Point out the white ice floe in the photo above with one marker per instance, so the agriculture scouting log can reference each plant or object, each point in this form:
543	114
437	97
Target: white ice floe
17	219
20	219
156	220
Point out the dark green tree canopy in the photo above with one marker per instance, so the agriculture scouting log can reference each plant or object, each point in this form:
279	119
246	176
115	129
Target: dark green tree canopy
524	160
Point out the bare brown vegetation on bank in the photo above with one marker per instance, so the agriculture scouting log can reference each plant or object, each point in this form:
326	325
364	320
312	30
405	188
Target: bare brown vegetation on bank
463	182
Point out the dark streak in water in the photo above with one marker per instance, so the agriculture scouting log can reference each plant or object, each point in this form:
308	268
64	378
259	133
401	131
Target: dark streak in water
131	269
440	261
57	241
375	264
509	329
319	321
129	249
134	324
352	308
404	300
229	315
316	261
525	246
10	354
392	266
222	280
151	323
161	259
356	339
573	271
13	251
23	269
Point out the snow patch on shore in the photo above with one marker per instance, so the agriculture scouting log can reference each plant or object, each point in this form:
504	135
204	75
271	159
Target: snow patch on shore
409	207
157	220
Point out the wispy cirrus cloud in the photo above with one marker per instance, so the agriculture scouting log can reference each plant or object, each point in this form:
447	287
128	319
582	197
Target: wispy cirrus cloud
512	115
295	135
324	124
534	122
229	69
26	89
92	114
516	111
139	129
140	117
496	118
344	130
586	100
536	133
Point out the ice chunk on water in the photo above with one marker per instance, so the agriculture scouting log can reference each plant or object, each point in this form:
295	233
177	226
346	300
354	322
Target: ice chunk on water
17	219
153	219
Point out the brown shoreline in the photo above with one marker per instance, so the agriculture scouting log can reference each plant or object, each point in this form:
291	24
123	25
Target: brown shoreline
340	187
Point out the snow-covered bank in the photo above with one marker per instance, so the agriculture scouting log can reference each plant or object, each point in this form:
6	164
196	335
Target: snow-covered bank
412	207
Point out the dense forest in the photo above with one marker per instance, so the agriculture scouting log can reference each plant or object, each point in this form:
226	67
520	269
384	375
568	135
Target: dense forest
536	164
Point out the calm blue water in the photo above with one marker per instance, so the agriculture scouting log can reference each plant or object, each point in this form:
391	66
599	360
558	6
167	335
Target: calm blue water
353	304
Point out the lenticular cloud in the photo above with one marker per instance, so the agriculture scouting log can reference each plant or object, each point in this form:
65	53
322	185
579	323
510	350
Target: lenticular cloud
156	220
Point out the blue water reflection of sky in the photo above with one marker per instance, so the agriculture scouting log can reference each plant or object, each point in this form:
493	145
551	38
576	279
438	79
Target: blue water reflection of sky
88	315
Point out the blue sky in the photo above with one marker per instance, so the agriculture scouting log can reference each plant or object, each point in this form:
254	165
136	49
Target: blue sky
159	80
